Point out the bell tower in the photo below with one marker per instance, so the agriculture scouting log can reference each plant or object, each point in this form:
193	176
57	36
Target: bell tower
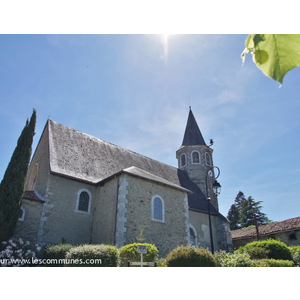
195	157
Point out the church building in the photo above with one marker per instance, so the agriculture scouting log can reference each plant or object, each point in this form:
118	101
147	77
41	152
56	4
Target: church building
81	189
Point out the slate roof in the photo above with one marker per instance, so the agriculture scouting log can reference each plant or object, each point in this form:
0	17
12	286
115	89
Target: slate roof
77	155
146	175
84	157
286	225
192	135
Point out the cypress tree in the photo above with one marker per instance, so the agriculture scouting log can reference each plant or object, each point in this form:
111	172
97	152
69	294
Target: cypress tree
234	217
13	182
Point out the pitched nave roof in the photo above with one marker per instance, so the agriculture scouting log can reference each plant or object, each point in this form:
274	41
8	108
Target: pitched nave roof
78	155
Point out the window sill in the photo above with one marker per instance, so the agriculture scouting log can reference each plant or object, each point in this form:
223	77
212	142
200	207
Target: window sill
82	212
158	220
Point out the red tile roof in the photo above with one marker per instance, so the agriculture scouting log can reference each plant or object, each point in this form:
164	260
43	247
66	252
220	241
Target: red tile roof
286	225
32	195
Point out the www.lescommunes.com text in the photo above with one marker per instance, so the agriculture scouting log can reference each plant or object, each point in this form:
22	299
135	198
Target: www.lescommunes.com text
48	261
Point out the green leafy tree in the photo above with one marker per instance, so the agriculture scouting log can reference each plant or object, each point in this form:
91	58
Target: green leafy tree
242	213
274	54
12	184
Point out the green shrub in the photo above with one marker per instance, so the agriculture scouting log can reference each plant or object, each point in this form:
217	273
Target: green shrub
129	253
236	259
56	254
258	252
295	251
272	263
92	256
162	262
259	263
277	249
190	256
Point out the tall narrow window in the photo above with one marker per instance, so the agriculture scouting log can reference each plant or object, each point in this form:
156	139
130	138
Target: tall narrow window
193	236
195	157
183	160
83	201
157	209
207	159
158	213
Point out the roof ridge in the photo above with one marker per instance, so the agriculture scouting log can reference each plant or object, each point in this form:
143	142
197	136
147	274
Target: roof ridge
136	171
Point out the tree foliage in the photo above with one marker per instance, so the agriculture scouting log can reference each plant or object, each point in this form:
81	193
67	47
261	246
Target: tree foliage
242	213
12	185
274	54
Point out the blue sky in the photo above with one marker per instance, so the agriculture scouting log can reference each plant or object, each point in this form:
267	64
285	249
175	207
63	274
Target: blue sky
135	91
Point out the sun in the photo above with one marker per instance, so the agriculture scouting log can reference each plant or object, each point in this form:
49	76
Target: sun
165	43
165	37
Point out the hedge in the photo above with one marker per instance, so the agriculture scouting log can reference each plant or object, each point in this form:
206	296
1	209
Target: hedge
272	263
236	259
190	256
295	251
92	256
56	252
275	249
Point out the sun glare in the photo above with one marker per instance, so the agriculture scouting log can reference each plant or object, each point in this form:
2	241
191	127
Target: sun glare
164	41
165	37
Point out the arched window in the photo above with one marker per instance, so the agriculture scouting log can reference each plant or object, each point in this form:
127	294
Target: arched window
158	209
193	236
83	201
195	157
207	159
183	160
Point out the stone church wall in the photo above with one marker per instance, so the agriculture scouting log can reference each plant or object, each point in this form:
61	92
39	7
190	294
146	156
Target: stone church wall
59	218
201	223
139	226
28	228
224	236
104	213
197	171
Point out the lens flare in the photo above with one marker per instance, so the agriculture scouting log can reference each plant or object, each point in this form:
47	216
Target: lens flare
164	41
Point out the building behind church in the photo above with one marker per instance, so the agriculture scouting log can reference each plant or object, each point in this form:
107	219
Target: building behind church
82	189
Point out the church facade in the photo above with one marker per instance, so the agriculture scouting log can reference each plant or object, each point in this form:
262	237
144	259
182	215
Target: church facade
82	189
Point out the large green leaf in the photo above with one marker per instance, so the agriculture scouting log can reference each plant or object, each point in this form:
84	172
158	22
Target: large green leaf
274	54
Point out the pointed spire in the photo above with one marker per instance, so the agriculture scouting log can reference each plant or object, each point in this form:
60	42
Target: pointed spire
192	135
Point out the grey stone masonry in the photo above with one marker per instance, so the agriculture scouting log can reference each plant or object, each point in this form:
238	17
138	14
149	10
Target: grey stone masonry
197	170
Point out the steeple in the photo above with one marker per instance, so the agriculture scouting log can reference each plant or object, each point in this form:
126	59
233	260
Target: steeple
195	157
192	135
